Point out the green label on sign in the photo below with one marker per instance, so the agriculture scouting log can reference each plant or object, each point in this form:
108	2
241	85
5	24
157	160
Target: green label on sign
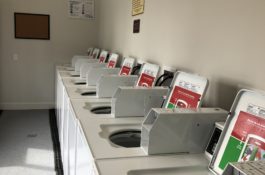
232	152
171	106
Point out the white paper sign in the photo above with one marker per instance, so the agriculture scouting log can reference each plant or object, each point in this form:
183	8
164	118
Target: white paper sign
82	9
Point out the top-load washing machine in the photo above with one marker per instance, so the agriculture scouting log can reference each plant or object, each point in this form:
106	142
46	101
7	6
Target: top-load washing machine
107	137
76	62
81	68
148	70
111	80
71	66
93	73
100	106
242	139
78	92
62	82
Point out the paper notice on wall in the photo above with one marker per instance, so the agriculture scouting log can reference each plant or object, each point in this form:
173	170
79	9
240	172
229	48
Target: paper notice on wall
137	7
82	9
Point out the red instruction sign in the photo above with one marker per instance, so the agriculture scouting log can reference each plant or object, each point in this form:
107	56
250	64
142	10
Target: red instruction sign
125	70
146	80
111	64
246	142
248	123
101	59
183	98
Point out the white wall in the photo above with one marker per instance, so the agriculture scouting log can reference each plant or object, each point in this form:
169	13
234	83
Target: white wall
223	40
29	81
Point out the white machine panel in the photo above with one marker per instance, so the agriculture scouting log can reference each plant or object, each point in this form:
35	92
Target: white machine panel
103	56
85	164
243	138
77	57
148	75
113	60
72	132
127	66
95	53
187	90
90	51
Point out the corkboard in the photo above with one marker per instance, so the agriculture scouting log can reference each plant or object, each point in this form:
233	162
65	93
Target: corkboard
32	26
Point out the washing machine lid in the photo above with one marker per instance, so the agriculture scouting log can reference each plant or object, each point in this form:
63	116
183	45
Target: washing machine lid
76	58
95	53
113	60
187	91
90	51
103	56
127	66
148	75
243	137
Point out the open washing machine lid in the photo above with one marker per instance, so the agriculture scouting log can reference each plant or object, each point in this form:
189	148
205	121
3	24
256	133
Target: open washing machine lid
95	53
147	78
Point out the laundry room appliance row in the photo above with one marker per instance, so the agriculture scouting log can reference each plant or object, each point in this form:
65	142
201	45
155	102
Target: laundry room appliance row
112	119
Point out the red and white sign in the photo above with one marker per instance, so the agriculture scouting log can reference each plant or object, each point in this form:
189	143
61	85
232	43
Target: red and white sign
248	124
101	59
111	64
146	80
125	70
184	98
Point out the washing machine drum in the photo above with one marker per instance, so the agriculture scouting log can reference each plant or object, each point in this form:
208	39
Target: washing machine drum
91	93
127	139
101	110
80	83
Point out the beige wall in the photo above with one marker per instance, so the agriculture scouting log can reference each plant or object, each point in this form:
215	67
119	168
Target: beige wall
223	40
29	81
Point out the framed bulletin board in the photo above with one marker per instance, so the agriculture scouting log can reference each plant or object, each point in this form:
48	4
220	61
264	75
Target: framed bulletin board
32	26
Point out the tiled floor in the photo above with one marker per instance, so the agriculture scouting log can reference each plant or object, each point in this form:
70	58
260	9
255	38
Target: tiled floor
25	143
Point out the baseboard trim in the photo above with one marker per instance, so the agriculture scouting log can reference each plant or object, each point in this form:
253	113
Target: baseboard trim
56	143
26	106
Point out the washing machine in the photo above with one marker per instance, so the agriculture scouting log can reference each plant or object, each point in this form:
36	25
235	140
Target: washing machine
65	79
112	78
75	92
77	61
148	69
241	140
70	71
66	83
82	66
